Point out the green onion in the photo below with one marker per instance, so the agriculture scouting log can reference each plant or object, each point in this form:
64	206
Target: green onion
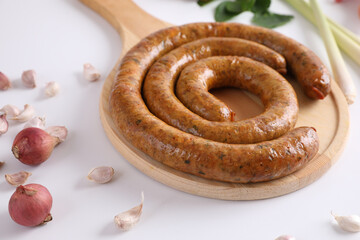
347	41
340	72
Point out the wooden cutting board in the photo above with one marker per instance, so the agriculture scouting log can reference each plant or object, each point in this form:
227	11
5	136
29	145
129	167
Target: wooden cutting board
330	117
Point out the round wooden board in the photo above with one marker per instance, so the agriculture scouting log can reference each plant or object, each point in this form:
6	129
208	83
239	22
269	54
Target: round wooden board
330	117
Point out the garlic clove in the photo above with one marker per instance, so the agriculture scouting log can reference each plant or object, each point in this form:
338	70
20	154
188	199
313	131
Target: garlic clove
285	237
4	125
348	223
126	220
52	89
101	174
91	73
10	110
5	83
59	132
38	122
26	114
17	179
2	164
29	78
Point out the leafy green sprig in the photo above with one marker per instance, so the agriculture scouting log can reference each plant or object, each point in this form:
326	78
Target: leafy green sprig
262	16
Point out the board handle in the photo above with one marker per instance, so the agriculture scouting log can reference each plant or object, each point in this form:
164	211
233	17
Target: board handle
127	18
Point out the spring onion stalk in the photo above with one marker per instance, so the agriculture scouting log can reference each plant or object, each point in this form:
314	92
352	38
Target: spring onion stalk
347	41
340	72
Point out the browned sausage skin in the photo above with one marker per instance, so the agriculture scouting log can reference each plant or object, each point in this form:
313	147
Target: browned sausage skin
183	151
278	96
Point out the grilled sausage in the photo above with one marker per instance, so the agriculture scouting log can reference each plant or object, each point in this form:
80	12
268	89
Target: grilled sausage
240	163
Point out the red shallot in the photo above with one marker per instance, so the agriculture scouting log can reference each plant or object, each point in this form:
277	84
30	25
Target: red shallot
33	146
30	205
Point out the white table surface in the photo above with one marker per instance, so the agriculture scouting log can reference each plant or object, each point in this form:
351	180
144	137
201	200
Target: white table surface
56	38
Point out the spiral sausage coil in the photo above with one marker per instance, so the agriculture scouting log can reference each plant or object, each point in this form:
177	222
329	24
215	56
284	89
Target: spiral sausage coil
146	110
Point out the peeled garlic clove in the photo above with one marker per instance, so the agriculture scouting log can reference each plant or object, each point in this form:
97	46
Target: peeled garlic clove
38	122
126	220
91	73
17	179
52	89
29	78
4	125
59	132
5	83
285	237
101	174
10	110
26	114
348	223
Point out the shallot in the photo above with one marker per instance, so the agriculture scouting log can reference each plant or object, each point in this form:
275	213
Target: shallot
30	205
33	146
5	83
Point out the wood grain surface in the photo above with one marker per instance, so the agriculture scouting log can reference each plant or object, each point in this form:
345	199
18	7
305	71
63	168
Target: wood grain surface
330	117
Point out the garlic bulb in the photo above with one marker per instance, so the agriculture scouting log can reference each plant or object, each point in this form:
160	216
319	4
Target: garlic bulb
10	110
4	125
348	223
52	89
126	220
91	73
29	78
101	174
59	132
285	237
5	83
38	122
17	179
26	114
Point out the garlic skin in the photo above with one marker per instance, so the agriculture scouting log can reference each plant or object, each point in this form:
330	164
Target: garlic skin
17	179
60	132
4	125
285	237
91	73
5	83
126	220
38	122
101	174
348	223
29	78
10	110
52	89
27	114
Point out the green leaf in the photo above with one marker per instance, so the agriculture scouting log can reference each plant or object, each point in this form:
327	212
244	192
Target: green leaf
221	14
203	2
246	5
261	6
234	7
270	20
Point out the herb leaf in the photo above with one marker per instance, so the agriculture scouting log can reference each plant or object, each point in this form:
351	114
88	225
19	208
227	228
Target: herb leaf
221	14
203	2
261	6
270	20
246	5
234	7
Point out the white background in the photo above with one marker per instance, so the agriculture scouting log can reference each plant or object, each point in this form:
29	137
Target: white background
56	38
